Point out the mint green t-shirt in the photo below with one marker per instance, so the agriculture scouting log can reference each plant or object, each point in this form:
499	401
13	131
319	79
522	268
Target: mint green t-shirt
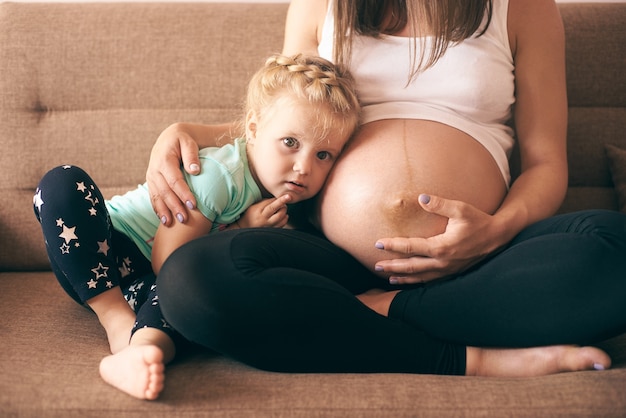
224	189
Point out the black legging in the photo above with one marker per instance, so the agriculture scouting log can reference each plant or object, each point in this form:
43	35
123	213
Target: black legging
283	300
87	255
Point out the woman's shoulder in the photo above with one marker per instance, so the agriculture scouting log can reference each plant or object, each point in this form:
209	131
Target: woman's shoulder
304	24
529	19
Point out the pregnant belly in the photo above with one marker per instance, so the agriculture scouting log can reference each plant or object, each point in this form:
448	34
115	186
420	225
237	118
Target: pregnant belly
373	189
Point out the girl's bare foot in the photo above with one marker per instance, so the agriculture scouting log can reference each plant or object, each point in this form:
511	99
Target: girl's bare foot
138	370
537	361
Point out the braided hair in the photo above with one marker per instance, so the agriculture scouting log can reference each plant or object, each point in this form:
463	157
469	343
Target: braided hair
313	79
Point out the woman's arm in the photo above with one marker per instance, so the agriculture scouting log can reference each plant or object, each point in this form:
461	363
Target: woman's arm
178	144
303	26
538	46
169	238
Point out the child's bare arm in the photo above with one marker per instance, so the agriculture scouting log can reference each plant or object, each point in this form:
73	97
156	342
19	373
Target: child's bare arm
169	238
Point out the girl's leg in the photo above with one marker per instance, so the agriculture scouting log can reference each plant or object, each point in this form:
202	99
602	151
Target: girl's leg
89	258
139	368
561	281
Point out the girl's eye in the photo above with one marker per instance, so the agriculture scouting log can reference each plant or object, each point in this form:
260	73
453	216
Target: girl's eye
323	155
290	142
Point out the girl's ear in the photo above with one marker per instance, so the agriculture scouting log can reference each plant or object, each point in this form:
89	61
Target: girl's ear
251	125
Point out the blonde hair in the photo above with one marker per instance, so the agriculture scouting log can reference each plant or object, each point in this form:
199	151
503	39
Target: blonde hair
448	21
312	78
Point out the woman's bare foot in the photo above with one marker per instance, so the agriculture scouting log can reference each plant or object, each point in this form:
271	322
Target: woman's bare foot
138	370
536	361
523	362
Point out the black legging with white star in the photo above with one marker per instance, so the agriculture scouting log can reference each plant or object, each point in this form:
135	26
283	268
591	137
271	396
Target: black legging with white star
88	256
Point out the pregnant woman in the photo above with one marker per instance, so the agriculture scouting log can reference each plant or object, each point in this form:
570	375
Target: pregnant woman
428	249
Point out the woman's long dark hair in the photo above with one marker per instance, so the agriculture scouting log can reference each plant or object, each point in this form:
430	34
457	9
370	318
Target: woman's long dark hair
446	21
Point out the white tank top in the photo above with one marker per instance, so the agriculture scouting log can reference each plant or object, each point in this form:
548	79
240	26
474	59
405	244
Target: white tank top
470	88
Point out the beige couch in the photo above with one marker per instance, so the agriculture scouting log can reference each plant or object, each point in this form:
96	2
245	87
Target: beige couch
94	84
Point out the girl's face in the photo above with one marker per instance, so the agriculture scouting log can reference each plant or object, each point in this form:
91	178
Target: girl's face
285	154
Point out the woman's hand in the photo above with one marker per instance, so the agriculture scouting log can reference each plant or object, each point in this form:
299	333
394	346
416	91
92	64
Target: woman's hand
470	236
266	213
166	184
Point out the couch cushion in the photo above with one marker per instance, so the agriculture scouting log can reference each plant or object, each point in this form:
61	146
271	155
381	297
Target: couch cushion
597	100
49	368
617	164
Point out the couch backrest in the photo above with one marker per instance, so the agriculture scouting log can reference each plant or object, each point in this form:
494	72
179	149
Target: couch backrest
93	84
596	85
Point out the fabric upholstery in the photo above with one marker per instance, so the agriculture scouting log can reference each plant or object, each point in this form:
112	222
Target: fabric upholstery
617	165
93	84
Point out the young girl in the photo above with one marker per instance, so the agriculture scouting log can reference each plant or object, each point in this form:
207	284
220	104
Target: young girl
300	112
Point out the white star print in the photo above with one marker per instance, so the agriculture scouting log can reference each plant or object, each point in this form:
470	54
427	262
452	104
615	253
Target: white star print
103	247
124	271
132	302
92	284
68	234
100	271
93	200
37	200
67	167
109	284
93	212
65	249
80	186
60	222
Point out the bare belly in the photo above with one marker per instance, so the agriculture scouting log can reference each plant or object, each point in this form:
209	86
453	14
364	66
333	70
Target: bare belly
373	189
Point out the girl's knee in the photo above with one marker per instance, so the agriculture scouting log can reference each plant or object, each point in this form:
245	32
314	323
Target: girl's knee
63	174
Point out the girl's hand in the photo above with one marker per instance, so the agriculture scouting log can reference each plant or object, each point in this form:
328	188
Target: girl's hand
470	236
169	192
266	213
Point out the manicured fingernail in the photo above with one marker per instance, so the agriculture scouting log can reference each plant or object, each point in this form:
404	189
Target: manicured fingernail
424	198
194	167
393	280
189	204
379	245
180	217
163	219
598	366
378	268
